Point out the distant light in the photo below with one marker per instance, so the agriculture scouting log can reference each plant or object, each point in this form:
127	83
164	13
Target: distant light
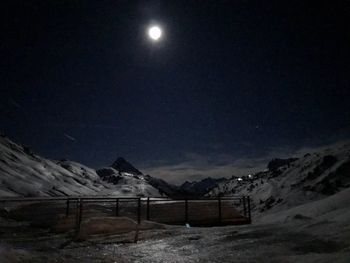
250	176
155	33
240	179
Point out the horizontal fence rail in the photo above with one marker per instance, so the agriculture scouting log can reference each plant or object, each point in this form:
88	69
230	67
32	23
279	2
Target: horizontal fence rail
201	211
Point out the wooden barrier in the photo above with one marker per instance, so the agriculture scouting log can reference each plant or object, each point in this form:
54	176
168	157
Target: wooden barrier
205	211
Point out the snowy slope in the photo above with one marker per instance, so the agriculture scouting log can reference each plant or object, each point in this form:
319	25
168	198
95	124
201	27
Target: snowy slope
23	173
294	182
332	208
128	183
121	172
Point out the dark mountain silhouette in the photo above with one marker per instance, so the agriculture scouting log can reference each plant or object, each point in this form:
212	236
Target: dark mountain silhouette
123	166
274	164
202	187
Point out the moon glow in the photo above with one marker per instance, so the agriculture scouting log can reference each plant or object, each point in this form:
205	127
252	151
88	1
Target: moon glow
155	33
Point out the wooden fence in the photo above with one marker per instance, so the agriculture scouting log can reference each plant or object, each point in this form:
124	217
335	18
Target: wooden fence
221	210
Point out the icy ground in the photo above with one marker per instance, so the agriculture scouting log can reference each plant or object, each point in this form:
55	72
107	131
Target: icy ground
298	240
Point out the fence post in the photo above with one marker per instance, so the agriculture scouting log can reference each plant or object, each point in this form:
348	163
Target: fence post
76	213
219	203
67	207
148	208
249	214
117	207
139	211
80	211
79	208
186	210
244	207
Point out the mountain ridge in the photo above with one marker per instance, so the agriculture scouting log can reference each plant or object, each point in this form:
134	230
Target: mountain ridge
286	183
292	182
24	173
123	165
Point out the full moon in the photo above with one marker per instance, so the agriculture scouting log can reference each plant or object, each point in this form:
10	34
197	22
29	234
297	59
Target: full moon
155	33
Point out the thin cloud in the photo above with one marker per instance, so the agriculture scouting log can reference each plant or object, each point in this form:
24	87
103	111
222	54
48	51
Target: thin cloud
196	166
200	167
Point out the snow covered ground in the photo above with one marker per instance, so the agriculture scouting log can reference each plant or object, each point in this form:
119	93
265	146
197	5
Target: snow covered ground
299	240
23	173
294	183
317	232
301	213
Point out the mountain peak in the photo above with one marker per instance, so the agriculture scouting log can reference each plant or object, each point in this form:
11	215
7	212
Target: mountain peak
123	165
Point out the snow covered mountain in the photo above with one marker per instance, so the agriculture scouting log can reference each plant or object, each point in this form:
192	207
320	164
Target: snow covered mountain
121	168
289	183
284	185
23	173
128	181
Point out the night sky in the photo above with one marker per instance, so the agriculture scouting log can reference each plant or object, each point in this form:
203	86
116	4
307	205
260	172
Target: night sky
81	79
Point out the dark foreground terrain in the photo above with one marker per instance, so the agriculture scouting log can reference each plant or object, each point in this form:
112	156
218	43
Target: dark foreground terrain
298	240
